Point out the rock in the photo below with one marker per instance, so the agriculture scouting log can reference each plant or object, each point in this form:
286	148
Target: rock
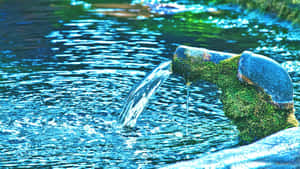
252	110
267	74
280	150
253	69
202	53
185	56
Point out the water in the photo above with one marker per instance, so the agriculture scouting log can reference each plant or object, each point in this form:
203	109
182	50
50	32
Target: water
187	104
66	69
140	94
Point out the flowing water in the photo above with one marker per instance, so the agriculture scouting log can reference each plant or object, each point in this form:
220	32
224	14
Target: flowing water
140	94
67	66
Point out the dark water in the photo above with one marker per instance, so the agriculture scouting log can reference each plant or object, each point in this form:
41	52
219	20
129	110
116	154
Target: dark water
66	68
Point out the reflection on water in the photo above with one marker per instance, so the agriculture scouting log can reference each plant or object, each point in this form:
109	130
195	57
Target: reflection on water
66	69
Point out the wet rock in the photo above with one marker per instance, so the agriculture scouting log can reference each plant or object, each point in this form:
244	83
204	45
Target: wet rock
253	69
267	74
202	54
280	150
252	110
185	56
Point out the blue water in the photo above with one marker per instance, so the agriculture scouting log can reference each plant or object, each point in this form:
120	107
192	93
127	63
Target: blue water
66	68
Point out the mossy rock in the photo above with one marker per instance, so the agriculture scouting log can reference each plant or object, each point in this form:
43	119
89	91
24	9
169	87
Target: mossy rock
268	75
249	107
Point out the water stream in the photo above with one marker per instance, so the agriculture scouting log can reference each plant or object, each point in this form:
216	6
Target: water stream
139	95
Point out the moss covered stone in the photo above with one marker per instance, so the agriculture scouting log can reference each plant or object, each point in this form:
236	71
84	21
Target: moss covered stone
247	106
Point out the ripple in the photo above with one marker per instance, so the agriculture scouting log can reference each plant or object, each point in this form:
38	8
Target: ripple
291	66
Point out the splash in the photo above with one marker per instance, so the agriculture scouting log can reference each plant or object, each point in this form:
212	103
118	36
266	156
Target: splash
139	96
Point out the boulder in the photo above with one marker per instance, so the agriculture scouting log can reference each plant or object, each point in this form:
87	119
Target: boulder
256	91
267	74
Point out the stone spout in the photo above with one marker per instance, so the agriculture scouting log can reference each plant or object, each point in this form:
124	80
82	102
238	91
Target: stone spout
256	91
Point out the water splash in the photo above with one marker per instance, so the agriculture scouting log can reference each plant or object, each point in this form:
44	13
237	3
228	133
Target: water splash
139	96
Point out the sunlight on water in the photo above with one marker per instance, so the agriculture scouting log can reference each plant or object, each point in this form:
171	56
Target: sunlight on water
187	85
140	95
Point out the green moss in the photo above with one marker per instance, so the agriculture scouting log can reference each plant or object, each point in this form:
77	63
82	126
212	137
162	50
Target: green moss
248	107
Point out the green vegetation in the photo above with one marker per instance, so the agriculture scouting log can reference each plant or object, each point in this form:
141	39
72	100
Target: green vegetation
285	9
248	107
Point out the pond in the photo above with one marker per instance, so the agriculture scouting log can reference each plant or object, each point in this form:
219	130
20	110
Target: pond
66	68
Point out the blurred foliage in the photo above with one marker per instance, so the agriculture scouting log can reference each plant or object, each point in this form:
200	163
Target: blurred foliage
285	9
110	1
67	12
